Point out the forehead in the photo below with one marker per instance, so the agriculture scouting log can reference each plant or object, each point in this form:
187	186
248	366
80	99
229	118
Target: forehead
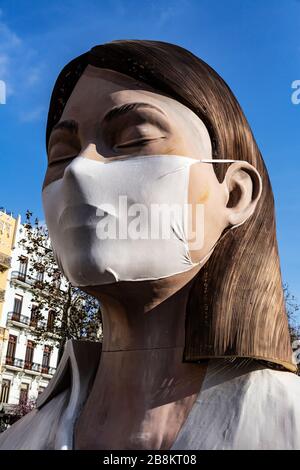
98	90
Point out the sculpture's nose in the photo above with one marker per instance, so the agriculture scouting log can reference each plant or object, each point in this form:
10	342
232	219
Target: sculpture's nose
90	152
81	169
80	176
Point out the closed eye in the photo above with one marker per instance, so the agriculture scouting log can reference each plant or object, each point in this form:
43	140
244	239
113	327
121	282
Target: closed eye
137	142
140	126
64	143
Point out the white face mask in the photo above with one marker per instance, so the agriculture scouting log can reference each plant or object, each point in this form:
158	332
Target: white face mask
122	220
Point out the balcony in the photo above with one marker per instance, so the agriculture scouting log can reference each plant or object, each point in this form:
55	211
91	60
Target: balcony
18	318
5	262
22	321
48	370
29	367
33	367
23	279
36	369
14	362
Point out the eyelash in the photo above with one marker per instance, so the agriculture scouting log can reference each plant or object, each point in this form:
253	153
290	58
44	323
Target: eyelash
140	142
137	142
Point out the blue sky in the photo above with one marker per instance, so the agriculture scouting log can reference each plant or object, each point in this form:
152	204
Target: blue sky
253	44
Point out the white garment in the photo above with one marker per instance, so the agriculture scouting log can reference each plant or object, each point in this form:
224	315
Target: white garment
240	406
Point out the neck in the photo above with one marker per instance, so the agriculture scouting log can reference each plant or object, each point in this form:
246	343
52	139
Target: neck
144	315
142	382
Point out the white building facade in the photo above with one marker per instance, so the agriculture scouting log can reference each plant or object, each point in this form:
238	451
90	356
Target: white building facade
26	366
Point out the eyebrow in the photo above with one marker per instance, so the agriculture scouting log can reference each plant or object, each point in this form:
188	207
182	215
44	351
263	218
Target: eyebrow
69	125
72	126
123	109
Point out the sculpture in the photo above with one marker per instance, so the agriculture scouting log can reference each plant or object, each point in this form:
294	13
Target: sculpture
196	351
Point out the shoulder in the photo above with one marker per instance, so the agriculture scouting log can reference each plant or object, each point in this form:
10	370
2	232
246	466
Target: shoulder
244	408
282	386
271	410
37	430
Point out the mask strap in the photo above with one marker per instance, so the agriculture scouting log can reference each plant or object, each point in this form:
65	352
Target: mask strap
222	160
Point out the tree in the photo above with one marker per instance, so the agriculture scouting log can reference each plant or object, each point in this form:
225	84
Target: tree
292	308
20	410
7	418
70	312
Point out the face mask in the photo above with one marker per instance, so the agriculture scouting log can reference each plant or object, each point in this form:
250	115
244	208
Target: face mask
123	220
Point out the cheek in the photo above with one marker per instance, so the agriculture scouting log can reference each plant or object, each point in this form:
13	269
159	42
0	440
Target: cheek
54	173
204	206
203	197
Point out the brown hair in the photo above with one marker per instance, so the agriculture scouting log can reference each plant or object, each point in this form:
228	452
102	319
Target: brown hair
236	305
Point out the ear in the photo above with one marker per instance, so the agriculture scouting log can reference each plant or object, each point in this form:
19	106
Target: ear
243	186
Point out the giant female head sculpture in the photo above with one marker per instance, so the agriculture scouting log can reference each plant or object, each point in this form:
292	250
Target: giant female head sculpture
113	107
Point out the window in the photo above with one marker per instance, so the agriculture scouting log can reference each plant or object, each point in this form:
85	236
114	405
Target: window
34	315
29	354
23	268
5	391
46	359
11	349
51	319
23	393
39	276
41	389
5	227
18	302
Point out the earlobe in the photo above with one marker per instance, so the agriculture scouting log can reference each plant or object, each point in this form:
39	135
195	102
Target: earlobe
243	186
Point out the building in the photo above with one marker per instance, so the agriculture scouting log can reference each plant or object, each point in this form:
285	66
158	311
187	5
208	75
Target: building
26	366
8	230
